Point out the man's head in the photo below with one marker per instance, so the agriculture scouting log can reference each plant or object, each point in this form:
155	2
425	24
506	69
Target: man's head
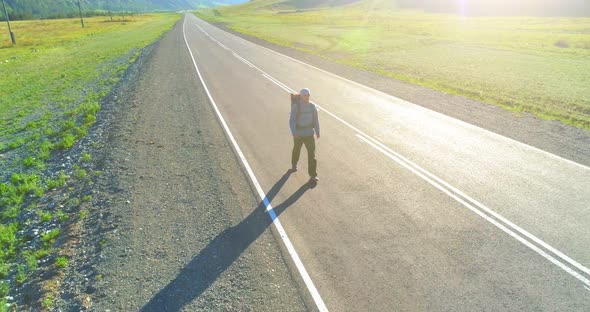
305	94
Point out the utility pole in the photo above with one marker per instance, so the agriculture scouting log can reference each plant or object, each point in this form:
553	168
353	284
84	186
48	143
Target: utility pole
79	9
8	22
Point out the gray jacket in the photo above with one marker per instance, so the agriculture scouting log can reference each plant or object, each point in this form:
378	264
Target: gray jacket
307	122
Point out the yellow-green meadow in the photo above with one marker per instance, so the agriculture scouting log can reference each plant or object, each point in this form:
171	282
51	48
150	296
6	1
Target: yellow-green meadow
539	65
51	84
52	58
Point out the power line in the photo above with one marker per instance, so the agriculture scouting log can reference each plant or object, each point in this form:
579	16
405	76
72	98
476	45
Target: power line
80	10
8	22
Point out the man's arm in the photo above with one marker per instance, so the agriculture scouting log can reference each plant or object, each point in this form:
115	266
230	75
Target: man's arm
316	122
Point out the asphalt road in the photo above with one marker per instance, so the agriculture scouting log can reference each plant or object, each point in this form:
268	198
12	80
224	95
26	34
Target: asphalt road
415	211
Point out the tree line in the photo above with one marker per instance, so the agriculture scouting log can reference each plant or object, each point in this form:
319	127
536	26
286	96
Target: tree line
36	9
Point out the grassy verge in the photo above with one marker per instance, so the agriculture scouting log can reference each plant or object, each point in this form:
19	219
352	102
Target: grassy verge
523	64
51	84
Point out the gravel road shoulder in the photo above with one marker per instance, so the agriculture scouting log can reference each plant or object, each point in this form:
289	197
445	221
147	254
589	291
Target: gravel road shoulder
175	225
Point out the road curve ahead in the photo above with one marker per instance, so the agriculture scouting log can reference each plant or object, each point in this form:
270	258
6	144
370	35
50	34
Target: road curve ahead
415	211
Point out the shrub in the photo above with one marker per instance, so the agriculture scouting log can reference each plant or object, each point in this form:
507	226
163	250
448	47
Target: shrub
41	253
86	157
57	182
67	141
4	289
61	262
29	161
561	44
32	262
48	301
43	154
48	131
44	215
21	273
46	145
84	213
11	212
49	237
4	270
93	108
81	132
8	240
67	125
61	215
80	173
89	119
16	143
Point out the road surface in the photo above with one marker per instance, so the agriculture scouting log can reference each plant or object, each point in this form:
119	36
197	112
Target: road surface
415	211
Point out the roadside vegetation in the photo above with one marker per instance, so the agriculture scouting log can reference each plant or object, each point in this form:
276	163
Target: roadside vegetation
538	65
51	86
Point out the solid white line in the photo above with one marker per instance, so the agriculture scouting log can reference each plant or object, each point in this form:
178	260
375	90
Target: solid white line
479	213
488	210
240	58
457	191
291	249
398	99
248	63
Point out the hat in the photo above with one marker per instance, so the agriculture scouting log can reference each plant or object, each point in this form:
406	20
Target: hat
304	91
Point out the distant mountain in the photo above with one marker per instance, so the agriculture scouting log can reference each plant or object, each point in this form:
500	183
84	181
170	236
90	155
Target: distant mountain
30	9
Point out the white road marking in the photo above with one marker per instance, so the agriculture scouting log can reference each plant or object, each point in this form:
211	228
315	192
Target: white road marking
278	83
478	212
242	59
395	98
488	210
455	193
292	252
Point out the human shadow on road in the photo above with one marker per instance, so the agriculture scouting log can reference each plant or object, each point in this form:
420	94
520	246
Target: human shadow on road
220	253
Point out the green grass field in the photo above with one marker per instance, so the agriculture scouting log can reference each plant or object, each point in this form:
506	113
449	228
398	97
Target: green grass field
524	64
51	84
53	59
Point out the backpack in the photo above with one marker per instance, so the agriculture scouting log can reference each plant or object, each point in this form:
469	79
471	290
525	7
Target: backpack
295	99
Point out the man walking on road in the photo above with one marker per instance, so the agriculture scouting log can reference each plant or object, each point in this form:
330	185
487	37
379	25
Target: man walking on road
304	123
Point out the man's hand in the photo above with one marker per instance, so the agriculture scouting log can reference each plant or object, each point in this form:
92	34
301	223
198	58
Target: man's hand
318	136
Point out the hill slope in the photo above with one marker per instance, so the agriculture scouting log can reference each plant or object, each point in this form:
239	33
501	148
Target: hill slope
464	7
